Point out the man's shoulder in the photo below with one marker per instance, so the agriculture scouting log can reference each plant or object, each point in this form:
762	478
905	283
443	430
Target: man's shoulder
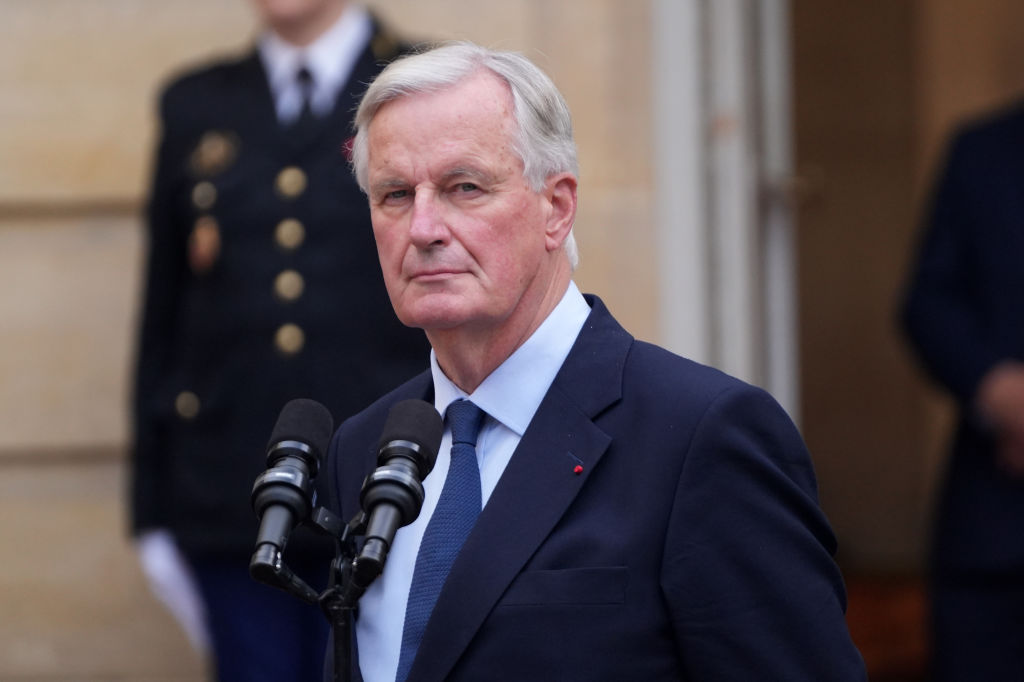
651	356
661	373
649	373
996	133
204	78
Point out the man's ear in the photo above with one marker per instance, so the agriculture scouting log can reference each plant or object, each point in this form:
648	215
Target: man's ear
560	192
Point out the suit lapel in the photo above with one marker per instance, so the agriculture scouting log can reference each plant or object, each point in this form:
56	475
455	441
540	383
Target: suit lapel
535	491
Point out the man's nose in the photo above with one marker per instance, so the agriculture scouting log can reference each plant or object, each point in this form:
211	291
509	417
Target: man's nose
427	227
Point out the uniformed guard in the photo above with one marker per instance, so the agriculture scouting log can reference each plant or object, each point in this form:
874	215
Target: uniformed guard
262	285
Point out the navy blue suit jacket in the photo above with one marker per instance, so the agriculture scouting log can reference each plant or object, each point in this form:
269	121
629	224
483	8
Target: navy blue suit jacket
964	313
690	547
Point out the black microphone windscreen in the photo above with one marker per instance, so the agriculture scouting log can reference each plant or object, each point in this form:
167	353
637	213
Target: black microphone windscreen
306	421
416	421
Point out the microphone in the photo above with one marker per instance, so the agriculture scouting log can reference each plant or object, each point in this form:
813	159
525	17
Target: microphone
283	495
392	495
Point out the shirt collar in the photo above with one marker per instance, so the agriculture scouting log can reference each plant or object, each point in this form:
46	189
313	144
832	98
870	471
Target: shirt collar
512	393
330	58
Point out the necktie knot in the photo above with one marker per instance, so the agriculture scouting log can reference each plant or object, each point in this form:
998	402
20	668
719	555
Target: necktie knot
465	420
306	119
304	78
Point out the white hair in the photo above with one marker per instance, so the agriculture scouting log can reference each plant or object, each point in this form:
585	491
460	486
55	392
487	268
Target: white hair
543	139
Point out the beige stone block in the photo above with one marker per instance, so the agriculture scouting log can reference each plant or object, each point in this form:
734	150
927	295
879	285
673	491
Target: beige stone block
68	290
504	25
79	79
75	603
598	54
614	231
596	51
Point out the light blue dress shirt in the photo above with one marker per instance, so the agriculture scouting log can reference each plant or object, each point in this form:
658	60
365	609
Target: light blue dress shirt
510	396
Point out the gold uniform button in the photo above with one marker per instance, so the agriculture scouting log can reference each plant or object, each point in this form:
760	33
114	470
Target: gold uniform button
187	405
215	153
289	338
288	285
204	195
289	234
291	182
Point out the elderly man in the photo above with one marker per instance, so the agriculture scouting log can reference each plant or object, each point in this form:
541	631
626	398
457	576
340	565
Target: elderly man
631	515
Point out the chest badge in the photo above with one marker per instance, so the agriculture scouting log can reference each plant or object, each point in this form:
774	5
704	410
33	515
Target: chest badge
204	244
216	151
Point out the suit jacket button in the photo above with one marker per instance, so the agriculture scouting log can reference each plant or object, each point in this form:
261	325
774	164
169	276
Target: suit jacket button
288	285
289	339
204	195
187	405
291	182
289	234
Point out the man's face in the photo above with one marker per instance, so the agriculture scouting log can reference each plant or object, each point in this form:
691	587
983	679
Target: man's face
464	242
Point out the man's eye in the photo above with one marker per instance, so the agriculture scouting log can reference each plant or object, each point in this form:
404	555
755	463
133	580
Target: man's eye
396	194
466	187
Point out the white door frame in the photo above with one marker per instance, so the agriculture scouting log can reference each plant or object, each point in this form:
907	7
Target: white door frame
723	141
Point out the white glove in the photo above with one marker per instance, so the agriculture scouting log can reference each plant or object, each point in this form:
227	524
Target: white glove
171	581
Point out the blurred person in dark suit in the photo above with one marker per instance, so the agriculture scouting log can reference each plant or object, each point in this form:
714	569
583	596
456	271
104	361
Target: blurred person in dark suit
262	285
600	509
964	315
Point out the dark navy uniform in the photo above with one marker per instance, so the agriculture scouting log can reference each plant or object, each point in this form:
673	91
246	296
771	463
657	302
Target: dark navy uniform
963	314
262	285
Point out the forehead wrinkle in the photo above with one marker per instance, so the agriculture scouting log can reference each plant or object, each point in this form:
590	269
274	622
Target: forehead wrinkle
464	149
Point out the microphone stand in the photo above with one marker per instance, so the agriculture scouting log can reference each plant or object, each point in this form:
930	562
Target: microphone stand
393	492
350	576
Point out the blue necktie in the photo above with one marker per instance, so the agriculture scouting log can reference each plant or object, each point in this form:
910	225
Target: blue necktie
453	518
